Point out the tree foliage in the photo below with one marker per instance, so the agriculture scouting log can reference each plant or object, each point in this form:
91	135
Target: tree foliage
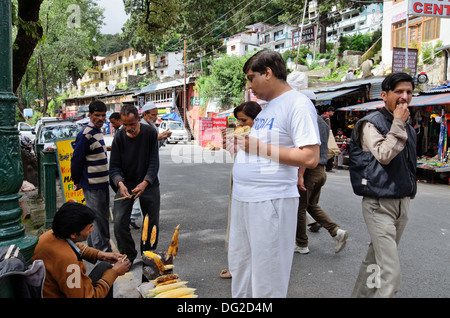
149	22
64	52
226	82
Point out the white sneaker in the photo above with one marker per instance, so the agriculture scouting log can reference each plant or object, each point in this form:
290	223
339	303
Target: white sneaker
341	239
301	250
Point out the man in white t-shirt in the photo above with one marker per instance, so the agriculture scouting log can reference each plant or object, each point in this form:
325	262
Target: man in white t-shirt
264	204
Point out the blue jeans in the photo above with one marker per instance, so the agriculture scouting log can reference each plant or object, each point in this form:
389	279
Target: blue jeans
98	201
150	204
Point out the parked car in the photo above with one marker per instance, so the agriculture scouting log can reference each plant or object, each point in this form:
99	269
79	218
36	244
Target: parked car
50	131
45	119
179	133
26	130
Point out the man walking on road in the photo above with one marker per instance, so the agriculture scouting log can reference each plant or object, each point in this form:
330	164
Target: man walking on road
89	169
265	195
310	183
383	171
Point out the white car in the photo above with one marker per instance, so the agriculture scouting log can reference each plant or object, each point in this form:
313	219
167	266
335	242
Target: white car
26	130
179	133
50	131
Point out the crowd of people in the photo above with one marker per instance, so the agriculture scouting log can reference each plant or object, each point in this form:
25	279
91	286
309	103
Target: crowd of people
278	172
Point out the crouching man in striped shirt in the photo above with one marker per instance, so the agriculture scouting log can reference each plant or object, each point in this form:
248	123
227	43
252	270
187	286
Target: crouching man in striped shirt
89	168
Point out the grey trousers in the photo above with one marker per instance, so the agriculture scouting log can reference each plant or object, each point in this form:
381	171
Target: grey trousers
379	275
98	201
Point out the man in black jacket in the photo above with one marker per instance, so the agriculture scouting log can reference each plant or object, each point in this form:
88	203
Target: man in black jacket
134	166
382	170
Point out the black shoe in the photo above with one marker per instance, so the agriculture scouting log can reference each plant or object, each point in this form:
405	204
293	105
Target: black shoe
133	224
314	227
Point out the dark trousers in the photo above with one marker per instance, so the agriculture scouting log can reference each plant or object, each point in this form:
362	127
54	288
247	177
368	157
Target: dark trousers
314	180
97	273
150	204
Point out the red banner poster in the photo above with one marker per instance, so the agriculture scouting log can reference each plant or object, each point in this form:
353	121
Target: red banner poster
210	131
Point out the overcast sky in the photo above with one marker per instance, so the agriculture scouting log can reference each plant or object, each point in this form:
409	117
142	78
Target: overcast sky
114	16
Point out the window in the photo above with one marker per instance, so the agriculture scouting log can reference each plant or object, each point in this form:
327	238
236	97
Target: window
421	29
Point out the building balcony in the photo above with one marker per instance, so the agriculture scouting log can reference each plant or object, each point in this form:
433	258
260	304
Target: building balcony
160	64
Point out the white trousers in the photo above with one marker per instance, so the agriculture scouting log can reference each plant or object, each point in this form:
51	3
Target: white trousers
261	247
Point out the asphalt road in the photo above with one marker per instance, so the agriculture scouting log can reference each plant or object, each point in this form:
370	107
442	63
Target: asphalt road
194	193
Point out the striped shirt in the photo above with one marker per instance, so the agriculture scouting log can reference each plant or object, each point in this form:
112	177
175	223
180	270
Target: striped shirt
89	165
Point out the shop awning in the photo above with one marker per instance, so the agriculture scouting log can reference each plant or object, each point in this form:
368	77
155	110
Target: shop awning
421	100
324	98
162	86
226	113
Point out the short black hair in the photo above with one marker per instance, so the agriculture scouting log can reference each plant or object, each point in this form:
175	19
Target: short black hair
115	115
97	106
71	218
391	81
264	59
129	109
251	109
331	109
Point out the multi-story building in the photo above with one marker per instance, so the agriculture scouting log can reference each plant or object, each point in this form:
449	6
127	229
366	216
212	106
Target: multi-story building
112	71
278	38
348	22
421	29
169	64
247	41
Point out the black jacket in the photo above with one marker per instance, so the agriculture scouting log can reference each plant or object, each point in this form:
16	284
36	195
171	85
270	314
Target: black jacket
373	179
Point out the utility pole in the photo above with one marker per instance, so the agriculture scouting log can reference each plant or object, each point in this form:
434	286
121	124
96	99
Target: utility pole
301	31
11	174
184	86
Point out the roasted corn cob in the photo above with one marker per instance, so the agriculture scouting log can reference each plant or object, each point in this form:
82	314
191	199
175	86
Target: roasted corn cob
244	130
164	278
153	236
145	229
164	288
176	293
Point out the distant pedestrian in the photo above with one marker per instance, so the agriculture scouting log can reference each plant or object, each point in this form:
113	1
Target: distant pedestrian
134	170
89	169
116	121
310	183
326	116
149	117
366	68
341	142
265	195
383	171
349	76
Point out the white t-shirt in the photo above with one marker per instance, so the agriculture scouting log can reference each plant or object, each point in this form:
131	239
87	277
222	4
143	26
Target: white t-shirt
289	120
